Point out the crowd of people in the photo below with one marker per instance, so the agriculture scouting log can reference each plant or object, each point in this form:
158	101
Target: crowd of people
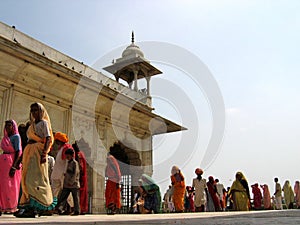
40	171
211	195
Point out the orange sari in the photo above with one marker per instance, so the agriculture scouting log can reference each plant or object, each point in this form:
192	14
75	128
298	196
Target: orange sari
179	191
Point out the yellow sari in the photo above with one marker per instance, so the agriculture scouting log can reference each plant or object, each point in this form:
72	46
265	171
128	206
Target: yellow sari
36	189
239	196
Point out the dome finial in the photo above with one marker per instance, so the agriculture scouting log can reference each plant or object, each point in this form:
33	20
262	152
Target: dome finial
132	37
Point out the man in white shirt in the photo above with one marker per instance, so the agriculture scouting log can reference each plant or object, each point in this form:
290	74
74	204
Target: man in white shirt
57	177
220	188
278	194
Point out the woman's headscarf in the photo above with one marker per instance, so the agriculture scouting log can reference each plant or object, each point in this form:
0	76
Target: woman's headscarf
5	143
241	175
174	170
286	186
43	116
211	179
296	187
148	183
147	180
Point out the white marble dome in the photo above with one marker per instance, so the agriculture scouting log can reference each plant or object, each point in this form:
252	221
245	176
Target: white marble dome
132	51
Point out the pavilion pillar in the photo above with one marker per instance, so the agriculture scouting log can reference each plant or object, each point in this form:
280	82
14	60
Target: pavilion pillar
135	80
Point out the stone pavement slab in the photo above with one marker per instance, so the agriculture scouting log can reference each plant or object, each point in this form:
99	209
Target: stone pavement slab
284	217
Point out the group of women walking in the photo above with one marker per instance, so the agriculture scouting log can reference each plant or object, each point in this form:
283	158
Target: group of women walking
25	188
35	186
207	195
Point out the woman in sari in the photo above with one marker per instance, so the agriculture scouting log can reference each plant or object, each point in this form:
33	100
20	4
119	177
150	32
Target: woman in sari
36	191
257	196
177	180
239	192
112	190
212	190
266	196
80	158
151	194
297	193
10	175
288	194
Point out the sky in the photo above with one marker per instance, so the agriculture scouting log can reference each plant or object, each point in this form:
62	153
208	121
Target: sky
250	48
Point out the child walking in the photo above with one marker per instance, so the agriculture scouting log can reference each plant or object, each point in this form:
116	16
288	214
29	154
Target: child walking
71	183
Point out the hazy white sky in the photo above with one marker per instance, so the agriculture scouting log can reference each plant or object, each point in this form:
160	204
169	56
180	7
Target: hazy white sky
250	47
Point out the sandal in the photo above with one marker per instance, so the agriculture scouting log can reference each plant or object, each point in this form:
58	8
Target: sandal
25	214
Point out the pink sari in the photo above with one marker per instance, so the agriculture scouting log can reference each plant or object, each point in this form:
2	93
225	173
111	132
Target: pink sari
297	193
10	186
267	197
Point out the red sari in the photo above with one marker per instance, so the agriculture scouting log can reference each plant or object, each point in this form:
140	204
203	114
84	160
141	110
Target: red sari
80	157
112	190
212	189
257	196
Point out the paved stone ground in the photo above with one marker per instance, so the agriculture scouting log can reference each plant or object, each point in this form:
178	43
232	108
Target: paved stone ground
284	217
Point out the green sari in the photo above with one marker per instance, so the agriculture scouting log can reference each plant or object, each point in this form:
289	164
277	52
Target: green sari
153	196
